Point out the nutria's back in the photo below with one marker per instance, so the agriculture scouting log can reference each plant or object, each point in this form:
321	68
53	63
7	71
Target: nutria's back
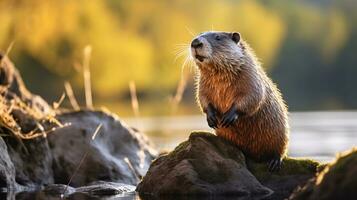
240	100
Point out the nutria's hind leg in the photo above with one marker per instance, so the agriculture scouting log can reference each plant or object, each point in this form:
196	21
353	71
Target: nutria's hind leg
274	165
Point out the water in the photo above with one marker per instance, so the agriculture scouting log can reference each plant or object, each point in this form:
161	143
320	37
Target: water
317	135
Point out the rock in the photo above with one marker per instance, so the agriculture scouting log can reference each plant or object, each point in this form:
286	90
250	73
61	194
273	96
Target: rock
58	190
294	173
337	181
209	165
33	166
96	190
7	169
118	153
204	165
101	188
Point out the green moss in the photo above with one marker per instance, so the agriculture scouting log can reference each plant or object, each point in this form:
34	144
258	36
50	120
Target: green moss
291	166
179	148
205	134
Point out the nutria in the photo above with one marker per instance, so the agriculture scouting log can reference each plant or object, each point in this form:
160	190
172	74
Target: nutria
240	101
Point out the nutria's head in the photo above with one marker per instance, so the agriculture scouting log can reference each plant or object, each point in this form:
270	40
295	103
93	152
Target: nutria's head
217	50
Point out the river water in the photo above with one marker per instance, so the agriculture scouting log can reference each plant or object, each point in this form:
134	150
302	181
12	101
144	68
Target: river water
317	135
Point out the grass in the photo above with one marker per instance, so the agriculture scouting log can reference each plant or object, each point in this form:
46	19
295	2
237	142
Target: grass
87	76
8	122
70	94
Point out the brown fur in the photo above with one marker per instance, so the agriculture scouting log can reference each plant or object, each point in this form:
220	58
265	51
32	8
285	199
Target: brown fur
262	132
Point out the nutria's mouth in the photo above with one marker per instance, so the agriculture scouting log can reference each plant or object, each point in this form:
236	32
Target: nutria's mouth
200	58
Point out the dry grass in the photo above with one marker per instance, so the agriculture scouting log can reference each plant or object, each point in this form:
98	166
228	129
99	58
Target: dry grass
131	167
86	75
9	48
134	99
70	94
8	123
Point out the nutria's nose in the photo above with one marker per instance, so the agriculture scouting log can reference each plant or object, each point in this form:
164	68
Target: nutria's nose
196	43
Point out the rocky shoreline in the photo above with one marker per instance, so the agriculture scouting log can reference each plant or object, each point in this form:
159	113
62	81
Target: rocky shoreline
41	147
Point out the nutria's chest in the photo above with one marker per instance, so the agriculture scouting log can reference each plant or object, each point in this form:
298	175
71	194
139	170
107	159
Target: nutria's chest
219	90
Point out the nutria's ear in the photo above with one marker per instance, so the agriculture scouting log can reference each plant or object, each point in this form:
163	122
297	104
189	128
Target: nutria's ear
235	37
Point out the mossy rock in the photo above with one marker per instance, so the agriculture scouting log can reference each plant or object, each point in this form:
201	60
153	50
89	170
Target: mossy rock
204	165
295	172
291	166
338	180
209	165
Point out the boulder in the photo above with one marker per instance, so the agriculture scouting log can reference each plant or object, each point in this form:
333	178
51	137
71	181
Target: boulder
338	180
118	153
206	165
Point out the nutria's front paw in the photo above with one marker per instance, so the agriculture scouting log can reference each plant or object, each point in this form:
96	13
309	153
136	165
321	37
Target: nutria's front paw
212	120
212	116
229	117
274	165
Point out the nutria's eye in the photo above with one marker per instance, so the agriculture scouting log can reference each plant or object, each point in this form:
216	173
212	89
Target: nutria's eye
218	37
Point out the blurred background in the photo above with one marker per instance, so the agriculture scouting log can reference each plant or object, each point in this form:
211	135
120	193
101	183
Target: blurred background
308	47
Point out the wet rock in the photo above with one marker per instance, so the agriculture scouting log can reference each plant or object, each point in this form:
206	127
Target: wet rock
204	165
336	181
98	189
102	188
58	190
118	153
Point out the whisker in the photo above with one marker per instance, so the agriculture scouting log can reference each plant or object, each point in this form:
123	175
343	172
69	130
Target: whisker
191	32
182	44
180	54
